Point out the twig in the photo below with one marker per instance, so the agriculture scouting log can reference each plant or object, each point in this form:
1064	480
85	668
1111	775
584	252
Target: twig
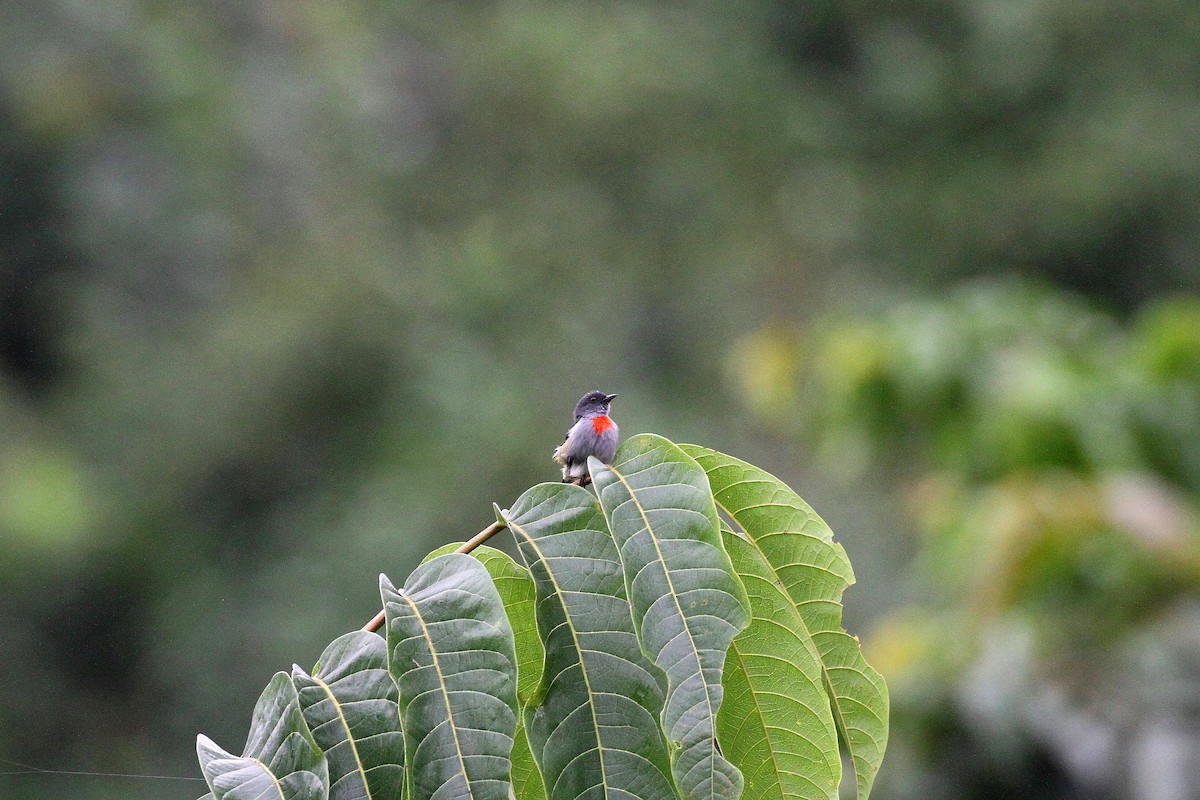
467	547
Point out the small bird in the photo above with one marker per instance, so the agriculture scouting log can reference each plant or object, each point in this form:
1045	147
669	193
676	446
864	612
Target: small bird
593	434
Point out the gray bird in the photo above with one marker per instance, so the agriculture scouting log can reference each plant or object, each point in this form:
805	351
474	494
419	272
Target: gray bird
593	434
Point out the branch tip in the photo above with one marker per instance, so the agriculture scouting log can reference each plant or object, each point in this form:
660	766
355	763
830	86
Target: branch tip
491	530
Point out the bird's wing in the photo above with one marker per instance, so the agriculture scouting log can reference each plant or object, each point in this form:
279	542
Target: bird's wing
560	448
560	452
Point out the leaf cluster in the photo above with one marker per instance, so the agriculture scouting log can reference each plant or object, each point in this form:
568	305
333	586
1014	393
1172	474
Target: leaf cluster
676	635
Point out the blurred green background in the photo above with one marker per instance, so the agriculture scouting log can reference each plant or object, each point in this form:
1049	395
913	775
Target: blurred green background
291	291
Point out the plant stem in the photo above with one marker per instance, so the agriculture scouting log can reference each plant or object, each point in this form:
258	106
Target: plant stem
467	547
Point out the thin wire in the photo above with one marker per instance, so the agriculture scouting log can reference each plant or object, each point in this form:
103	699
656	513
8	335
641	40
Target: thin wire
29	769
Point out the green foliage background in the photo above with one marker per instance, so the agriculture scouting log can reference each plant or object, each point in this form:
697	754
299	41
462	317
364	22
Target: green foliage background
290	292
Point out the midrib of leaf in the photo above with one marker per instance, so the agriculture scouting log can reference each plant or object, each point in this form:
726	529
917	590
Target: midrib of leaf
274	780
578	649
437	667
346	727
760	716
633	498
838	721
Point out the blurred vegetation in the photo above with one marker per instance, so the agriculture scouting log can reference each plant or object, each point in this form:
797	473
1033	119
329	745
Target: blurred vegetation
1050	461
290	292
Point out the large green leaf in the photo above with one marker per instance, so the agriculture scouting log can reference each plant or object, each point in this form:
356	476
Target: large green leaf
814	571
687	602
350	707
515	587
593	726
775	721
451	655
281	761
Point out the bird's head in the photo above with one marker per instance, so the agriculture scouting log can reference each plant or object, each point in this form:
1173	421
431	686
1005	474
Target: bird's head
593	404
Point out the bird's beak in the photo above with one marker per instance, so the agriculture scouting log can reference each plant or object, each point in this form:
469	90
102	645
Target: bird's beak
608	398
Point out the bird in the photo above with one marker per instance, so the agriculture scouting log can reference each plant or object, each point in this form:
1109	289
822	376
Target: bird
592	434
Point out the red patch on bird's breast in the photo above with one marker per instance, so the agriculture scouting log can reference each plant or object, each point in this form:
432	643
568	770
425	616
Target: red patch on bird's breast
600	424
